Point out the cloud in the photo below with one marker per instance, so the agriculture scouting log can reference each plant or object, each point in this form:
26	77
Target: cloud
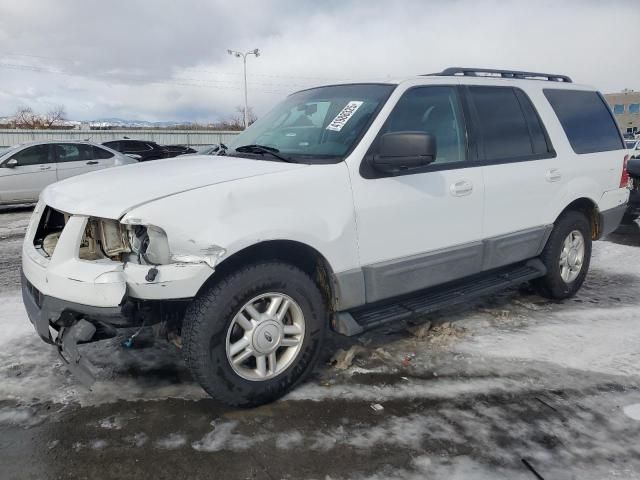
167	60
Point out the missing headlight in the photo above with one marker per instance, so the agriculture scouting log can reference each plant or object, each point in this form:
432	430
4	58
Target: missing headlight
104	239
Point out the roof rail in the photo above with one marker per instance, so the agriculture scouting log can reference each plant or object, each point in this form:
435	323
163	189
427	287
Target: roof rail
488	72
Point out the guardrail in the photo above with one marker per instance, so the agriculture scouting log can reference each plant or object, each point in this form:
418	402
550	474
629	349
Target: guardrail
10	137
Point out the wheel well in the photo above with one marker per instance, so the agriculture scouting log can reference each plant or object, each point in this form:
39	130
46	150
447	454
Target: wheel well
306	258
590	210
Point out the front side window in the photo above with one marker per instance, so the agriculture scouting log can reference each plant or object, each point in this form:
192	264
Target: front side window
319	125
586	120
36	155
434	110
634	108
618	109
509	128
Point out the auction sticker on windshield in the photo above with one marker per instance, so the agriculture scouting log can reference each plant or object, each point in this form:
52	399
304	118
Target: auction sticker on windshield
343	117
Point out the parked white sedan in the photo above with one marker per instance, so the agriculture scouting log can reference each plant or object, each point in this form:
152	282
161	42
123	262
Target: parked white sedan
27	168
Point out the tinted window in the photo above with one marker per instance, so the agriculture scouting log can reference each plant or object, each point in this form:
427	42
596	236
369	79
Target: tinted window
540	142
101	153
35	155
502	124
433	110
134	146
114	145
586	120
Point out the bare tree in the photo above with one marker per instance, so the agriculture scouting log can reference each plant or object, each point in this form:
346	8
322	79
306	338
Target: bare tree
54	116
25	117
239	119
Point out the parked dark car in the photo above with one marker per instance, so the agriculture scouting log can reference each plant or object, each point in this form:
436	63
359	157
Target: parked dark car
176	150
143	150
633	167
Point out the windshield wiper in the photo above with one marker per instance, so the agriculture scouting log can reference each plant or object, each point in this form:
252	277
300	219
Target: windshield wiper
263	149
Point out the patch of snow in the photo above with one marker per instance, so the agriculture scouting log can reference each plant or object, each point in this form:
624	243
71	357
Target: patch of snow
98	444
172	441
288	440
19	416
632	411
138	440
111	423
222	437
601	340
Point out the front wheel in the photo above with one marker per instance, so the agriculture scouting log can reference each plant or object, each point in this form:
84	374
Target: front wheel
254	334
566	255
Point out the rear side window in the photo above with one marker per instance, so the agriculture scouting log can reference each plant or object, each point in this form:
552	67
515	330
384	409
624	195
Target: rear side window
586	120
509	127
115	145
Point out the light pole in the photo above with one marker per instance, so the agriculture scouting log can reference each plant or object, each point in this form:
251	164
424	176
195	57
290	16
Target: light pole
237	54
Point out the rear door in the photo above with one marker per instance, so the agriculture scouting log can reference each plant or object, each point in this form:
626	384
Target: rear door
34	171
76	158
522	173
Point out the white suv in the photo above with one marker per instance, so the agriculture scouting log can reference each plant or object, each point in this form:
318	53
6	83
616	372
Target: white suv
347	206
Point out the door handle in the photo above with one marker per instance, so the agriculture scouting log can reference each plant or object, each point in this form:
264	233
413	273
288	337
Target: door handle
553	175
45	167
461	188
92	162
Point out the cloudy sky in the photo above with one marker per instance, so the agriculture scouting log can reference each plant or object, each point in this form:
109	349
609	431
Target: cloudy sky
166	60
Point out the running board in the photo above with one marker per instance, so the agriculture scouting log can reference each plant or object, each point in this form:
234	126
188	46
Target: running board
364	318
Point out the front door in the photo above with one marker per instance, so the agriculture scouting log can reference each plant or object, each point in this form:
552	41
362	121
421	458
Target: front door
24	179
424	227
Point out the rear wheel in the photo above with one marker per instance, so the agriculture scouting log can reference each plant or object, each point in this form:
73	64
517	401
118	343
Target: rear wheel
567	256
253	335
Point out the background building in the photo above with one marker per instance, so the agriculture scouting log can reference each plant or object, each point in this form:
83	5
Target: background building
626	108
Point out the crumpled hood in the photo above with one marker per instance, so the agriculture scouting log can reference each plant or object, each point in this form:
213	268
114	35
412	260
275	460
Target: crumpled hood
112	192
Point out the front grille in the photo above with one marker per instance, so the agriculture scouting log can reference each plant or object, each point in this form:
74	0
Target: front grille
36	294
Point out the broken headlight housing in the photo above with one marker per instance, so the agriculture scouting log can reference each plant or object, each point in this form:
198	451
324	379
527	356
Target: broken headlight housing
104	238
110	239
149	244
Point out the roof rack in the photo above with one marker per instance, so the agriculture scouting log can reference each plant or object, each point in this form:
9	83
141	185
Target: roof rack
488	72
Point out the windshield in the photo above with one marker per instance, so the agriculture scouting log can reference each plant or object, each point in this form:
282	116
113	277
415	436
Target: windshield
320	125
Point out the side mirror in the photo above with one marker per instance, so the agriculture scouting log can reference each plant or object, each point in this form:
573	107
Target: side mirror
11	163
398	151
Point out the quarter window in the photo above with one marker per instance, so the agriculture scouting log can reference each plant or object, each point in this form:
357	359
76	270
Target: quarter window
586	120
101	153
433	110
508	125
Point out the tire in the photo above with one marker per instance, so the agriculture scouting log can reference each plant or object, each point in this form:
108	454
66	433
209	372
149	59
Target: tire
559	283
212	328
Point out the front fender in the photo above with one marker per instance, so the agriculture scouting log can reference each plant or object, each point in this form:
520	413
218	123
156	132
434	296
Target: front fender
312	206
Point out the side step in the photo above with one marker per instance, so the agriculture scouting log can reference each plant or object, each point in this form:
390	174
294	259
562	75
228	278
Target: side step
371	316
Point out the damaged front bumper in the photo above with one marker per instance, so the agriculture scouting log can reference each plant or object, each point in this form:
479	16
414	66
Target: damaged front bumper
65	325
70	300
